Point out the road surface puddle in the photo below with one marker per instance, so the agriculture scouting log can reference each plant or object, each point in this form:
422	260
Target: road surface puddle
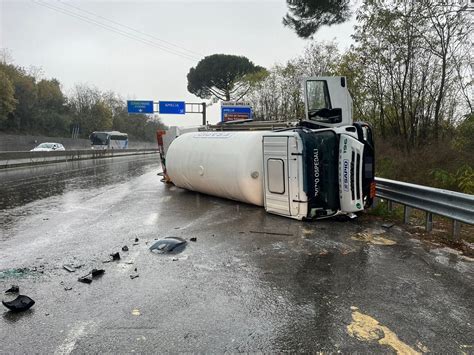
366	328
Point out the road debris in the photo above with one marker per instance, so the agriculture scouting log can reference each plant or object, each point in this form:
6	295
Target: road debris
124	248
13	289
85	279
67	288
169	245
193	239
97	272
115	256
69	268
134	276
135	312
136	240
272	233
388	225
19	304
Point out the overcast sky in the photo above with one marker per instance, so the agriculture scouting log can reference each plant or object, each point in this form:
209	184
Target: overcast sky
67	46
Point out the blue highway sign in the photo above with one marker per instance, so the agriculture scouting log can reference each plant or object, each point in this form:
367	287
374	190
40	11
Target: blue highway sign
140	106
232	113
172	107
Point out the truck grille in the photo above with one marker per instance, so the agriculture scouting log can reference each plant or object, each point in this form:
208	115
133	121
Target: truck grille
355	175
352	174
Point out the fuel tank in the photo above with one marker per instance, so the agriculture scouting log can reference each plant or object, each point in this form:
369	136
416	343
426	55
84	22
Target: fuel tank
224	164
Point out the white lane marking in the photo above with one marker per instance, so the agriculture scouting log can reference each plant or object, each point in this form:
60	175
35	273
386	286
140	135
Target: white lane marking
73	336
165	199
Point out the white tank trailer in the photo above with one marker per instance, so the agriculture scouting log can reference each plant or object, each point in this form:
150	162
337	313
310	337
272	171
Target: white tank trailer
321	167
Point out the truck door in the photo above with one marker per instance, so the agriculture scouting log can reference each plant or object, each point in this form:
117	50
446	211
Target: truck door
282	175
327	101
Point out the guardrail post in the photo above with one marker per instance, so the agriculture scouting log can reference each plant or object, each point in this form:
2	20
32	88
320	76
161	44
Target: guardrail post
456	230
375	202
406	214
429	222
390	205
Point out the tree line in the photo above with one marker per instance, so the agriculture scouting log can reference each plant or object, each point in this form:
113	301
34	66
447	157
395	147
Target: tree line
30	104
409	71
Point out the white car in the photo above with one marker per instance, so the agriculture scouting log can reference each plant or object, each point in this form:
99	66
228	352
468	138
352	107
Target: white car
48	147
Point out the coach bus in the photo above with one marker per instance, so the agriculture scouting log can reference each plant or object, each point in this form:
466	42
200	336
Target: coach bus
109	140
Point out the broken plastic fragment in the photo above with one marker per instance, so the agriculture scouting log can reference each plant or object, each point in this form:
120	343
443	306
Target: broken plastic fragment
136	312
85	279
97	272
115	256
19	304
13	289
69	268
172	245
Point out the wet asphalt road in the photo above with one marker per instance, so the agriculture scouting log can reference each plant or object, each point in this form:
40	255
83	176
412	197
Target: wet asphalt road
347	286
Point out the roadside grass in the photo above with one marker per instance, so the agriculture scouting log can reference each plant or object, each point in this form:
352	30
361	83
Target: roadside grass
449	168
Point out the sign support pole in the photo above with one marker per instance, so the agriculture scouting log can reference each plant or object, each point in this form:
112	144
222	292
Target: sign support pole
204	120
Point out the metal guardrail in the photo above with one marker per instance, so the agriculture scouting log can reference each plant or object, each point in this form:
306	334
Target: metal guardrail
454	205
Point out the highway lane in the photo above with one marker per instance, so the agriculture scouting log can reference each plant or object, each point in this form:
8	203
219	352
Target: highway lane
301	286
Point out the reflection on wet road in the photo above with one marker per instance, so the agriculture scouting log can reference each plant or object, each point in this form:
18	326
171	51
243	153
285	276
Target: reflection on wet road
247	281
24	185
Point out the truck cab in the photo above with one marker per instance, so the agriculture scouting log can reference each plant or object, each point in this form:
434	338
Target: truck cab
325	165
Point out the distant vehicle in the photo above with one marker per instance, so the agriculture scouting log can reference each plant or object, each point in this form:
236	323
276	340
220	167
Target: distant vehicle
48	147
109	140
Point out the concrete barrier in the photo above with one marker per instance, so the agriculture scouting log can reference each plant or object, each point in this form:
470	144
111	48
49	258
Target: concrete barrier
17	142
17	159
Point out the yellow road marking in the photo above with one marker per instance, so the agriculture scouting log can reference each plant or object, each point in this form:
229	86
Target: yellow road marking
366	328
373	239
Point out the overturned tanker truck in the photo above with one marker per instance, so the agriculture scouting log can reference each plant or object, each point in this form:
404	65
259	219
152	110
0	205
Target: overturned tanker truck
314	168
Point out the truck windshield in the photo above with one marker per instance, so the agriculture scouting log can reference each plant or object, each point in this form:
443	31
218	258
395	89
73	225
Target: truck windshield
320	165
318	95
